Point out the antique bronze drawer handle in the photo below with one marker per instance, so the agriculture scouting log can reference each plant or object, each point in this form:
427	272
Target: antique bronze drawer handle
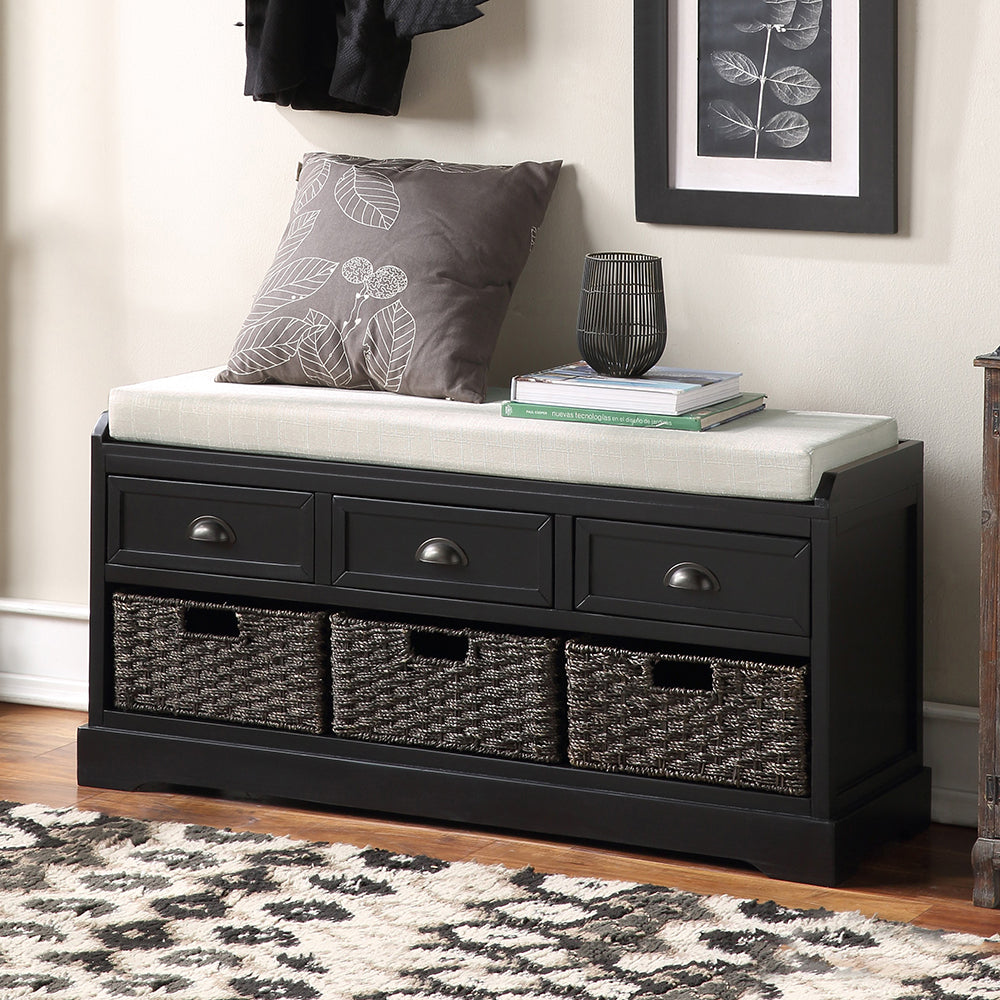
212	529
441	552
691	576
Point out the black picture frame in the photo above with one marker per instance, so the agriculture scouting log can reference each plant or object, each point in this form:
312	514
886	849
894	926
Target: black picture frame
872	210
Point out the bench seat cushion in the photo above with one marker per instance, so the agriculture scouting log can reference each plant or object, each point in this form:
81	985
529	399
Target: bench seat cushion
773	454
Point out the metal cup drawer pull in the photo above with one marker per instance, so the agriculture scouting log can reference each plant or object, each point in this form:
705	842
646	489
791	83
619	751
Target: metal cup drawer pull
441	552
691	576
211	529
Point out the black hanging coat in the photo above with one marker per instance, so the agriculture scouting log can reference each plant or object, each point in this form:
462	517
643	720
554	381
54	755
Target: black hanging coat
340	55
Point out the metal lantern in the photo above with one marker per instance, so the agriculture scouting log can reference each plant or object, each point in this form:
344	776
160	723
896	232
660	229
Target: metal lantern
622	327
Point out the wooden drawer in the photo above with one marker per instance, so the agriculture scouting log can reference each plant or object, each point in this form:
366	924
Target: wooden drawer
194	527
412	548
725	579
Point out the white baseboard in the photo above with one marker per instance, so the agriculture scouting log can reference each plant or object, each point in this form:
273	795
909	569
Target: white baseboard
951	750
44	653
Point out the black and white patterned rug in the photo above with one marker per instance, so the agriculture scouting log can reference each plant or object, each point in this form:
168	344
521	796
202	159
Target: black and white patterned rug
95	906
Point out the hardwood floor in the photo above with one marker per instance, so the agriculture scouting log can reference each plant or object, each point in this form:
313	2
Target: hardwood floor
926	880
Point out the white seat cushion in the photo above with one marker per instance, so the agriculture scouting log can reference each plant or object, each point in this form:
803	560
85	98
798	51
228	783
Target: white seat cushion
774	454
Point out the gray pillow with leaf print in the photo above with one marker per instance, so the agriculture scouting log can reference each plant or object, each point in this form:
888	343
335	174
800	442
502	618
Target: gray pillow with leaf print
393	275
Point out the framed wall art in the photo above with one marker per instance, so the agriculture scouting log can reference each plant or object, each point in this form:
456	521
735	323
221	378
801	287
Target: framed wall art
774	114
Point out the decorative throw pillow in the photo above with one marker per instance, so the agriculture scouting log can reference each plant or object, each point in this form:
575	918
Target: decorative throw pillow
394	275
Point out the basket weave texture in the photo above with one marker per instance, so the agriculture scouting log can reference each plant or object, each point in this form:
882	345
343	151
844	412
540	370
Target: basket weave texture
502	698
271	673
748	731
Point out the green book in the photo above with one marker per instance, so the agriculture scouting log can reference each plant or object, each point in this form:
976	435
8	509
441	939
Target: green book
695	420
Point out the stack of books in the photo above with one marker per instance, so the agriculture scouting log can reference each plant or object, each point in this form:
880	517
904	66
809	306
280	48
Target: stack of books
674	398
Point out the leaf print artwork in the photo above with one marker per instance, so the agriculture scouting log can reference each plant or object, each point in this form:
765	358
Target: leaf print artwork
794	85
755	121
367	198
787	128
736	68
781	11
735	124
388	344
801	33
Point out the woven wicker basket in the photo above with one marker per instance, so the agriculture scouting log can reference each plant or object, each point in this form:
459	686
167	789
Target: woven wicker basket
473	691
254	666
726	722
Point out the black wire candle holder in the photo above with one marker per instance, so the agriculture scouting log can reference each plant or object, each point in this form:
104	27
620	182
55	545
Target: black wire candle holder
622	326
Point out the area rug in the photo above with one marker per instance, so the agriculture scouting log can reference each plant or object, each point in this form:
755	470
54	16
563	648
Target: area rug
97	906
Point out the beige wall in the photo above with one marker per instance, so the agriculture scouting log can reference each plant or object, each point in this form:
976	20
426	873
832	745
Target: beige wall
143	196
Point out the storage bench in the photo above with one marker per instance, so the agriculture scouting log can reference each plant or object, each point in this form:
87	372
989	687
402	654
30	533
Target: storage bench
806	528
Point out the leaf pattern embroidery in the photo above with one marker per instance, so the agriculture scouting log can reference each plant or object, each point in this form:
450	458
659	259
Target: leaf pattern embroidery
296	234
316	344
314	183
367	198
322	354
449	168
266	345
357	270
387	345
386	282
289	283
401	163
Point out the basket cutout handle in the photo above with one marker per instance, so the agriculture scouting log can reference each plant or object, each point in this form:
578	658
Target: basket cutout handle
218	623
688	675
432	645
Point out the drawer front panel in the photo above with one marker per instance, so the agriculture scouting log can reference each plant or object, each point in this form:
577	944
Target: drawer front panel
194	527
719	578
485	555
